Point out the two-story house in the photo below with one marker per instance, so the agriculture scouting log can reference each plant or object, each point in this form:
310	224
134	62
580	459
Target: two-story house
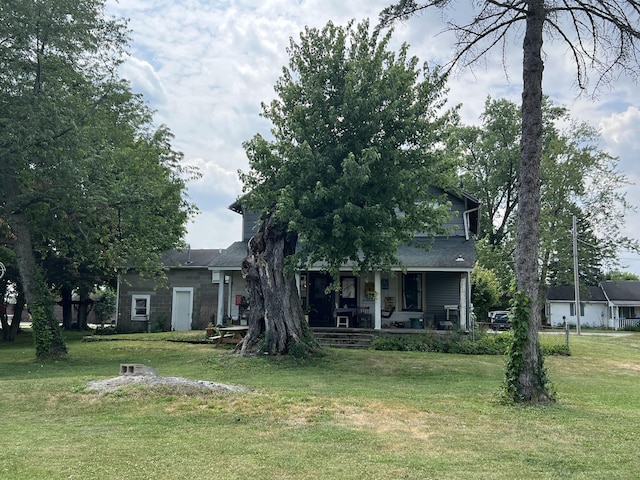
428	288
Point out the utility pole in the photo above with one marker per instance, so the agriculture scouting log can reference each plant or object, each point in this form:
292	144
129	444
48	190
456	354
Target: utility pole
576	280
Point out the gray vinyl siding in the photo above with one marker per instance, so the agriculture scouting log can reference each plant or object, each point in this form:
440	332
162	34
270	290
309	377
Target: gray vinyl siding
455	224
441	288
250	224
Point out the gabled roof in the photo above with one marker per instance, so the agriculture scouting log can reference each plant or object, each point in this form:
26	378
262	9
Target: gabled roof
622	293
567	293
452	254
190	257
230	258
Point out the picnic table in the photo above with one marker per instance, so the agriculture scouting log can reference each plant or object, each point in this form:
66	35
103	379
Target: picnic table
231	334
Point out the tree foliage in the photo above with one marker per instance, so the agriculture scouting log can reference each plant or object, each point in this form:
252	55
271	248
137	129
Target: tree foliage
88	183
485	291
358	136
602	36
577	178
355	132
620	276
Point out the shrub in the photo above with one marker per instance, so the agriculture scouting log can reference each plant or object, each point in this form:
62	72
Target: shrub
631	328
106	330
488	344
559	350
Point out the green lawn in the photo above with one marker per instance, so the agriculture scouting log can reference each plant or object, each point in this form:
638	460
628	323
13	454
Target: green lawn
348	415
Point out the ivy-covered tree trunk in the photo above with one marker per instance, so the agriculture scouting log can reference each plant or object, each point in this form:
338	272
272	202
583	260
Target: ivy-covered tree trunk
526	379
46	330
276	319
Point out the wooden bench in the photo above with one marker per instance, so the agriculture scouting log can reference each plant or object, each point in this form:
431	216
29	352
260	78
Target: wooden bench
231	335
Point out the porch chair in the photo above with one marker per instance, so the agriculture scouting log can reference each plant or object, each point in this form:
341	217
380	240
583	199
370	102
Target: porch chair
389	307
364	318
388	313
342	321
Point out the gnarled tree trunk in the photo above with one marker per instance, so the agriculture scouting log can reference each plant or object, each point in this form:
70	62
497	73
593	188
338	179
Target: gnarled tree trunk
276	320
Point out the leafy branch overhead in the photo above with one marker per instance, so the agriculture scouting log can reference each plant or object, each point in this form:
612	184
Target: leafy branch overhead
88	183
358	135
358	140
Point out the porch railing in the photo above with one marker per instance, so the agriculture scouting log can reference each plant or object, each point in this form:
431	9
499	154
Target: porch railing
627	322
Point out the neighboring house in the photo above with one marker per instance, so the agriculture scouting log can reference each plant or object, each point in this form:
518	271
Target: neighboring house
609	305
624	303
430	288
561	306
188	299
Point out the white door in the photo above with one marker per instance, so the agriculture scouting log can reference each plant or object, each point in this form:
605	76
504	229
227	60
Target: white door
182	308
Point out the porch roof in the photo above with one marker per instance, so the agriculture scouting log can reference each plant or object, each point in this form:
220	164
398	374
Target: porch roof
439	253
625	293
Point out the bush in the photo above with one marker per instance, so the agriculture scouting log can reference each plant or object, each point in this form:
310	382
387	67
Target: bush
559	350
488	344
631	328
105	330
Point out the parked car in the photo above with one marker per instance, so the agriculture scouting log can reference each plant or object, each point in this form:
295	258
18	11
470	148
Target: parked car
500	320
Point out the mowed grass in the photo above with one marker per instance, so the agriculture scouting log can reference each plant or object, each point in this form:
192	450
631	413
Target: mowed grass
346	415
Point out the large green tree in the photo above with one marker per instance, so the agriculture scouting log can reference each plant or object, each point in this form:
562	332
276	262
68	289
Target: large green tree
75	148
601	36
577	179
357	140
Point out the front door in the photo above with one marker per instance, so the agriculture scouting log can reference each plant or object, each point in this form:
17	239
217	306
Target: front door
182	308
320	303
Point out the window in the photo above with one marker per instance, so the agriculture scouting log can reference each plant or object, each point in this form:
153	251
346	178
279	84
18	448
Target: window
572	309
627	312
140	307
412	292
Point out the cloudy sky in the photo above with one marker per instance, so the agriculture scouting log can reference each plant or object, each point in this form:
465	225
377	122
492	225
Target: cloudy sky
206	65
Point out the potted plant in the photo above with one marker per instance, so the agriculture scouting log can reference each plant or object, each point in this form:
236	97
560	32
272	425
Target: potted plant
210	330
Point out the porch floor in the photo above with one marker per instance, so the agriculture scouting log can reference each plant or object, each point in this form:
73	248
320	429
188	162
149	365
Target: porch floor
360	338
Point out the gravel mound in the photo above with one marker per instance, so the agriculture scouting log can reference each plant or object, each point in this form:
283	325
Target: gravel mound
116	383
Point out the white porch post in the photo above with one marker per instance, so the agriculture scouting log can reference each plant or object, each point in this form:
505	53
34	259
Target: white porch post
377	304
220	312
463	301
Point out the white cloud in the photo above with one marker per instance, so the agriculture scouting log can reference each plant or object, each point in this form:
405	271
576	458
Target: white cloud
206	67
144	79
214	228
622	128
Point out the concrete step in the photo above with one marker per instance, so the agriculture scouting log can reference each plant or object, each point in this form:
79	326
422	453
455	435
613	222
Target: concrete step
343	338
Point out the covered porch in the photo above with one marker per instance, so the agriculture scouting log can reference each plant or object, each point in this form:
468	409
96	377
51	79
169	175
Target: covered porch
394	300
430	291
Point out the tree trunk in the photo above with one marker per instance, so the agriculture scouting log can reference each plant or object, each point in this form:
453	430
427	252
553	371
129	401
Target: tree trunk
67	307
276	320
83	308
10	329
46	330
530	384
